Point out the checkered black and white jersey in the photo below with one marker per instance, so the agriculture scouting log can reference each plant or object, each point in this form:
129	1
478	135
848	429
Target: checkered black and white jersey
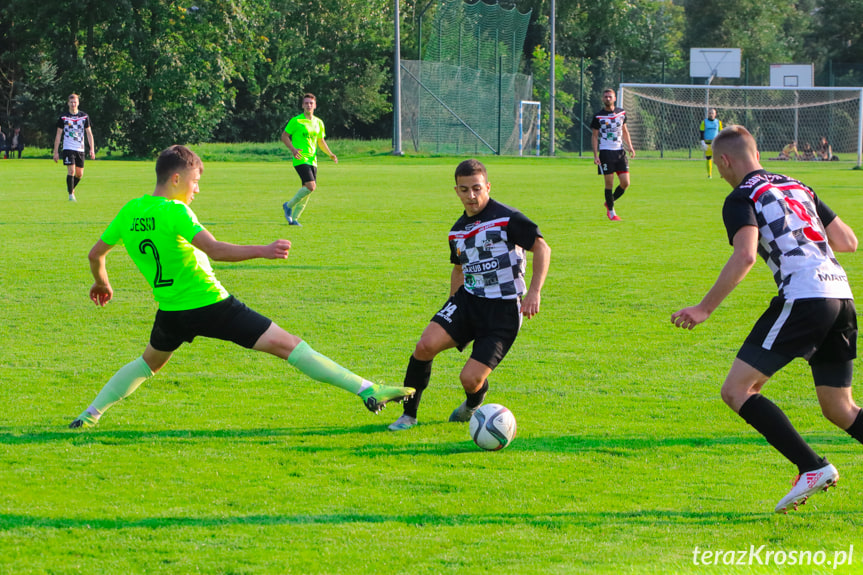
74	126
490	248
791	223
610	126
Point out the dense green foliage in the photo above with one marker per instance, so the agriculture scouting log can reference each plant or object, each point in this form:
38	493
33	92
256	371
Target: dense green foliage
231	461
154	72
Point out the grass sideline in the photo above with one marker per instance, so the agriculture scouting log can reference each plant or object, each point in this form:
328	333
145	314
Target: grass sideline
232	462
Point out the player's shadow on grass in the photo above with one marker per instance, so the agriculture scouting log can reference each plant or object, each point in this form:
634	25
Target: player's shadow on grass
385	443
562	520
21	436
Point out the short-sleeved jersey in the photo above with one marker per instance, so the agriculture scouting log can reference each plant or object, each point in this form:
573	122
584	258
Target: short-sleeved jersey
158	235
792	236
490	247
710	128
304	135
74	127
610	126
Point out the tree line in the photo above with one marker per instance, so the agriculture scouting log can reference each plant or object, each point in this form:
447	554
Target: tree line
156	72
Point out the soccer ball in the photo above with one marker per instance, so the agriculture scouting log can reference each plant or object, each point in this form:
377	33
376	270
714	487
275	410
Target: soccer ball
492	427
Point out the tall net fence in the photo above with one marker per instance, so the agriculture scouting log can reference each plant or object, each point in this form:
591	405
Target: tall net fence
664	120
464	95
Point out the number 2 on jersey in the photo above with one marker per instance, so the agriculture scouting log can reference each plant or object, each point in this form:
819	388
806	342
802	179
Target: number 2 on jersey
157	281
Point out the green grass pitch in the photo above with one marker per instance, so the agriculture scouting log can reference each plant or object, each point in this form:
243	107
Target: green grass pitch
230	461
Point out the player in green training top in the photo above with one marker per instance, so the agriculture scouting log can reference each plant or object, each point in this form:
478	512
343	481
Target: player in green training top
303	135
709	129
171	248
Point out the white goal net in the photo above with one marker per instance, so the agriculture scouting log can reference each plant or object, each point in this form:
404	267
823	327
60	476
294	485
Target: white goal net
664	119
528	127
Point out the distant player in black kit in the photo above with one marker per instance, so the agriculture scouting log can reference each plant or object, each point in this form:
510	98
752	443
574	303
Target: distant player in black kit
609	136
813	316
71	129
487	246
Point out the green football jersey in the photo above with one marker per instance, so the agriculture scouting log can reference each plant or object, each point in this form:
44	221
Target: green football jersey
304	135
158	235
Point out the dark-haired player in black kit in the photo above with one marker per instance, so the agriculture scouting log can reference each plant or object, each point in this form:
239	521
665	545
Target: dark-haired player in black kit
71	129
813	316
609	136
487	246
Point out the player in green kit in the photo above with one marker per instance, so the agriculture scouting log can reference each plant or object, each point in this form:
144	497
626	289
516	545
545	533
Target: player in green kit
303	135
171	248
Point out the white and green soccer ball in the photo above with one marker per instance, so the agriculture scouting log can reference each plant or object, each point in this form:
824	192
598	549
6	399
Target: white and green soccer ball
492	427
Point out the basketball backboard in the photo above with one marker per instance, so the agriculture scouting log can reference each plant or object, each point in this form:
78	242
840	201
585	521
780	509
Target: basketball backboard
714	63
792	75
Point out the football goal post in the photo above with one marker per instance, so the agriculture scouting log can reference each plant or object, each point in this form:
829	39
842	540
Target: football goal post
528	125
664	119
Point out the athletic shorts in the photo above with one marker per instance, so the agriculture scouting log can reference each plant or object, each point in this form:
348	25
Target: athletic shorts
820	330
307	173
229	320
612	162
708	153
72	157
492	325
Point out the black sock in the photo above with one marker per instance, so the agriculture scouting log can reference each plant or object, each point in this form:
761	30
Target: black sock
475	399
609	200
618	192
77	179
70	184
417	376
771	422
856	429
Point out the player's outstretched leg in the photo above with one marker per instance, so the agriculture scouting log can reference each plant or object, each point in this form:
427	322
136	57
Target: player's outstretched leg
127	379
321	368
377	396
807	484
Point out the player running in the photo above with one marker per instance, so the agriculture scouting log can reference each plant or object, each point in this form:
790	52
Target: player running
303	135
609	136
813	316
171	248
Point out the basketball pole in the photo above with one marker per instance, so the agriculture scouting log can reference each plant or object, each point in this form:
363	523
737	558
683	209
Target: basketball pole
397	84
551	86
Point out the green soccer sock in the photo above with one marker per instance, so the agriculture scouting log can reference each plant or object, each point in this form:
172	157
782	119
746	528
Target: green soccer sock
121	385
321	368
301	193
300	206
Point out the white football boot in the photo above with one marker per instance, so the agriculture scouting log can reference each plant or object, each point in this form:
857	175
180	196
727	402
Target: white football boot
806	485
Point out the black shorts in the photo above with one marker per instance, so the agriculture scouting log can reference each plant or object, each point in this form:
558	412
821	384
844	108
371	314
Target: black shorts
822	331
492	324
71	157
612	162
307	173
229	320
